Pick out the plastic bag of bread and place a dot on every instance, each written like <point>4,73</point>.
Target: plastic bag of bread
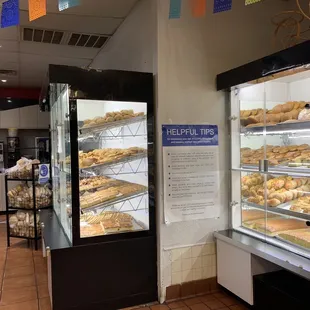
<point>304,114</point>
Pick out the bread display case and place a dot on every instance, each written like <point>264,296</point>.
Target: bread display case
<point>102,154</point>
<point>270,155</point>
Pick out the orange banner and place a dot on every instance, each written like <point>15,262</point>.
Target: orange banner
<point>199,7</point>
<point>37,9</point>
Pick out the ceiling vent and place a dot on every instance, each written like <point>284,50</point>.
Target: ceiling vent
<point>64,38</point>
<point>8,72</point>
<point>42,36</point>
<point>87,40</point>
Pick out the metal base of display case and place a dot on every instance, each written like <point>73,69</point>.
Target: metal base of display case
<point>108,275</point>
<point>283,258</point>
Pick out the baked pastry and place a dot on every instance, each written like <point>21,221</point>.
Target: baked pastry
<point>300,237</point>
<point>249,215</point>
<point>91,230</point>
<point>111,117</point>
<point>274,226</point>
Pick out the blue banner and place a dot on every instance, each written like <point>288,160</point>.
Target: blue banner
<point>190,135</point>
<point>10,13</point>
<point>66,4</point>
<point>175,9</point>
<point>222,5</point>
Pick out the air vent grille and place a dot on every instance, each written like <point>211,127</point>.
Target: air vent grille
<point>63,38</point>
<point>87,40</point>
<point>42,36</point>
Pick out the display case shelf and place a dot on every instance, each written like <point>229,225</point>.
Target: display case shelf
<point>279,129</point>
<point>277,210</point>
<point>106,128</point>
<point>24,237</point>
<point>116,167</point>
<point>274,171</point>
<point>120,200</point>
<point>24,209</point>
<point>280,169</point>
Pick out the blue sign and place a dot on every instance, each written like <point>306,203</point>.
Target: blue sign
<point>66,4</point>
<point>222,5</point>
<point>190,135</point>
<point>175,9</point>
<point>44,173</point>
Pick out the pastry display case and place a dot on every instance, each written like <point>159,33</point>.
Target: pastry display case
<point>101,158</point>
<point>270,159</point>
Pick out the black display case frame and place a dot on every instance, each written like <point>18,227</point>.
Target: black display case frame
<point>132,255</point>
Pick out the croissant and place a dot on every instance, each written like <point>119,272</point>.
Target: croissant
<point>273,202</point>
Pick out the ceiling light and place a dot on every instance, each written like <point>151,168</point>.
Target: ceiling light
<point>4,81</point>
<point>9,100</point>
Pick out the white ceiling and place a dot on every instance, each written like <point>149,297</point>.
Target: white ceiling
<point>31,59</point>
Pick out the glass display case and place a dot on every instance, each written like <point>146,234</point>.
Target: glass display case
<point>102,157</point>
<point>270,159</point>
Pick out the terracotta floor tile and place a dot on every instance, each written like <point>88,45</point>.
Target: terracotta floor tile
<point>214,305</point>
<point>235,307</point>
<point>40,268</point>
<point>45,304</point>
<point>176,304</point>
<point>19,262</point>
<point>19,253</point>
<point>220,295</point>
<point>160,307</point>
<point>18,271</point>
<point>200,306</point>
<point>41,278</point>
<point>27,305</point>
<point>39,260</point>
<point>18,295</point>
<point>208,297</point>
<point>43,290</point>
<point>183,308</point>
<point>192,301</point>
<point>19,282</point>
<point>229,301</point>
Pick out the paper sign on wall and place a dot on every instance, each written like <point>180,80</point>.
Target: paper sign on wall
<point>44,173</point>
<point>175,9</point>
<point>191,172</point>
<point>198,7</point>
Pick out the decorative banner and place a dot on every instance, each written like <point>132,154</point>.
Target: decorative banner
<point>198,7</point>
<point>247,2</point>
<point>37,9</point>
<point>66,4</point>
<point>222,5</point>
<point>10,13</point>
<point>175,9</point>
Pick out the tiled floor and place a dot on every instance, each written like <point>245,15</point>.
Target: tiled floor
<point>216,301</point>
<point>23,283</point>
<point>23,276</point>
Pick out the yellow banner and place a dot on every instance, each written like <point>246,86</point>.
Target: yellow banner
<point>37,9</point>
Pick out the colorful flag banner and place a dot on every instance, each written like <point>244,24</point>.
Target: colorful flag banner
<point>66,4</point>
<point>198,7</point>
<point>248,2</point>
<point>222,5</point>
<point>10,13</point>
<point>175,9</point>
<point>37,9</point>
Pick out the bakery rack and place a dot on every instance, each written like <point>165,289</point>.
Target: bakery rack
<point>107,130</point>
<point>36,211</point>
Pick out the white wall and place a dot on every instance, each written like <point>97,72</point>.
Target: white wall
<point>191,52</point>
<point>186,55</point>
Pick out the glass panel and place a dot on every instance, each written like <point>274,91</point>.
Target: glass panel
<point>60,151</point>
<point>113,167</point>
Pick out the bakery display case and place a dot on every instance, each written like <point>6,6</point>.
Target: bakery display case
<point>269,116</point>
<point>102,154</point>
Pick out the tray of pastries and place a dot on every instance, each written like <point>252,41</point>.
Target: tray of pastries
<point>300,237</point>
<point>277,155</point>
<point>112,119</point>
<point>275,226</point>
<point>108,222</point>
<point>301,205</point>
<point>252,214</point>
<point>95,182</point>
<point>111,195</point>
<point>279,190</point>
<point>281,113</point>
<point>102,157</point>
